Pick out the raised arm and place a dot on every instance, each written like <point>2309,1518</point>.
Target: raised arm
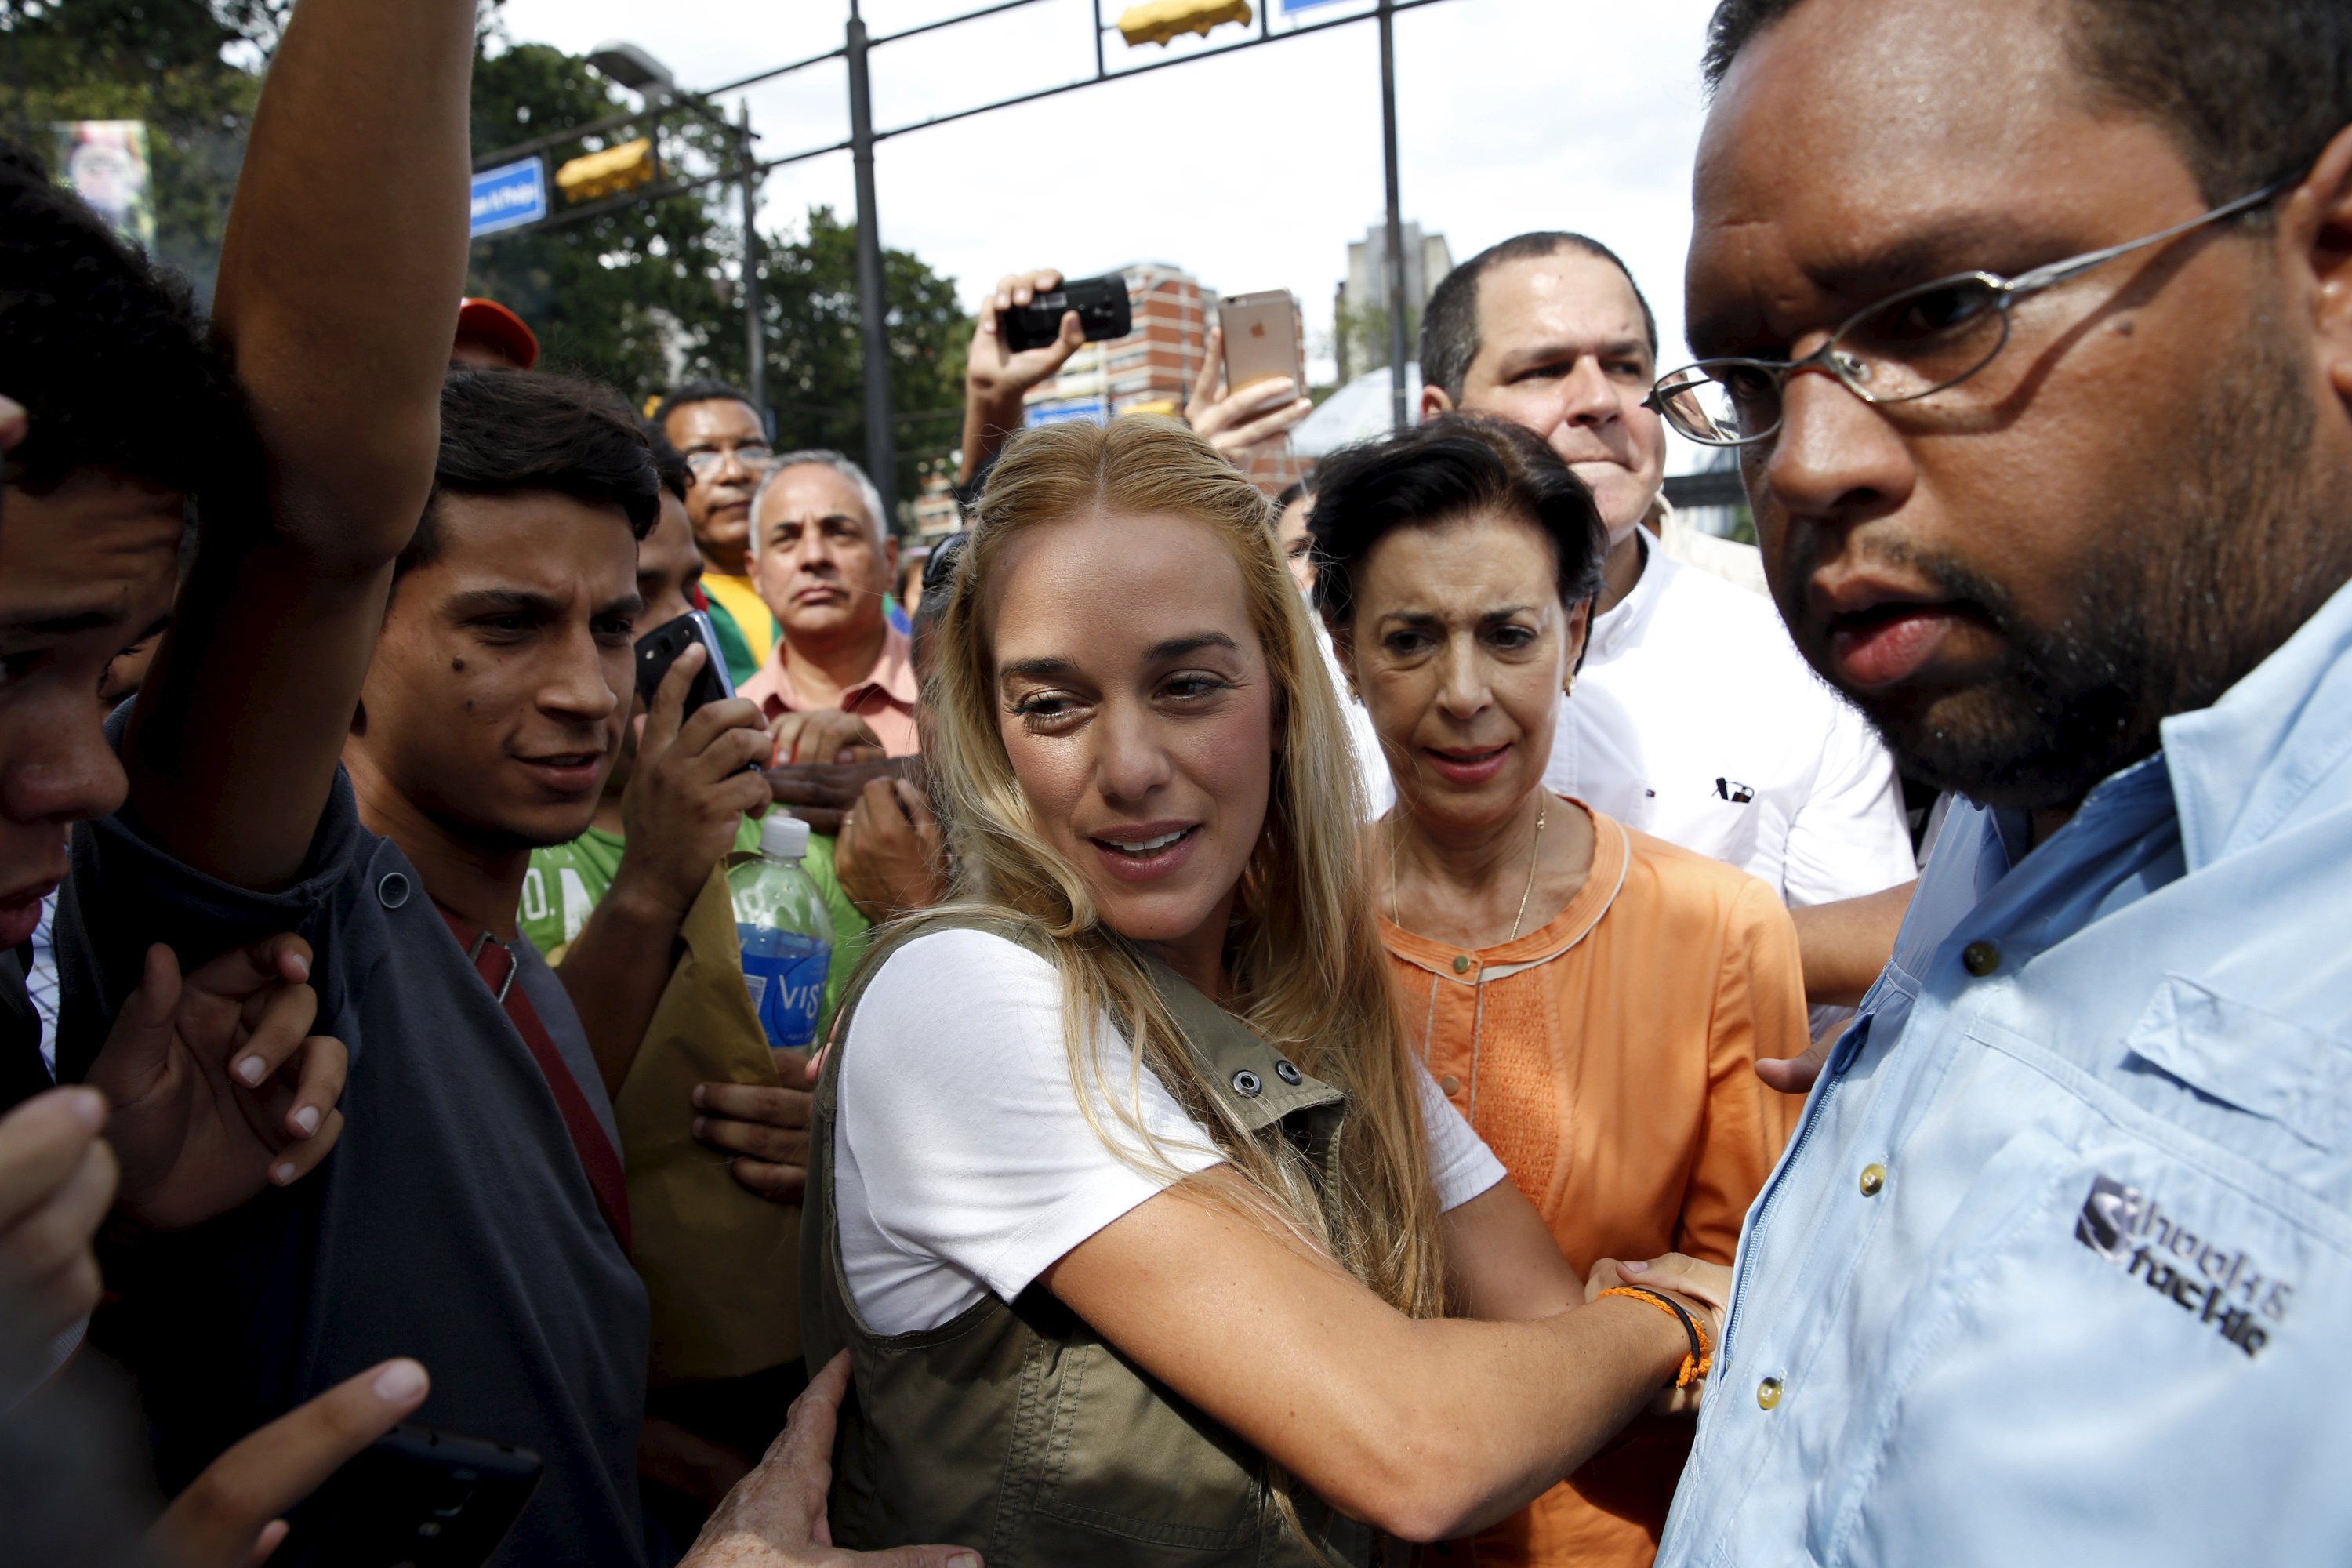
<point>338,297</point>
<point>1427,1429</point>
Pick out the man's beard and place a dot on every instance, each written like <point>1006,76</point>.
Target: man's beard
<point>2176,606</point>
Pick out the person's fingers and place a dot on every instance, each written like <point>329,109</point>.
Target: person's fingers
<point>666,712</point>
<point>921,1557</point>
<point>219,1518</point>
<point>138,1049</point>
<point>727,751</point>
<point>272,1536</point>
<point>1704,1285</point>
<point>917,807</point>
<point>42,1142</point>
<point>1265,427</point>
<point>759,1139</point>
<point>715,722</point>
<point>1205,385</point>
<point>242,971</point>
<point>1275,394</point>
<point>763,1103</point>
<point>878,814</point>
<point>299,1160</point>
<point>792,1065</point>
<point>324,1063</point>
<point>12,422</point>
<point>279,1021</point>
<point>1795,1075</point>
<point>51,1241</point>
<point>778,1184</point>
<point>800,785</point>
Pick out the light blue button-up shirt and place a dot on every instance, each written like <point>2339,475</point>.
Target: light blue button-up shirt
<point>2057,1268</point>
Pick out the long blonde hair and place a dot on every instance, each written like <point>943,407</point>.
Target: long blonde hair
<point>1307,963</point>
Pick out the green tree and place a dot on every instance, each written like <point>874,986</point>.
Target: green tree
<point>648,292</point>
<point>621,296</point>
<point>816,358</point>
<point>161,61</point>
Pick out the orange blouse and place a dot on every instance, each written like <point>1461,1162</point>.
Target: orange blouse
<point>1609,1061</point>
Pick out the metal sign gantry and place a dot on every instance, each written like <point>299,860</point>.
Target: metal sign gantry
<point>857,45</point>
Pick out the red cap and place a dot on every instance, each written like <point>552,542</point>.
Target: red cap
<point>494,327</point>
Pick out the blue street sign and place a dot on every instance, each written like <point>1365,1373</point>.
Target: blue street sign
<point>1061,411</point>
<point>509,196</point>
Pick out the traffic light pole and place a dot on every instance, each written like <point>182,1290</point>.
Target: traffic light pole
<point>873,304</point>
<point>1399,416</point>
<point>755,347</point>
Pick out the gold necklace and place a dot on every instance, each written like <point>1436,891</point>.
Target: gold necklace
<point>1534,854</point>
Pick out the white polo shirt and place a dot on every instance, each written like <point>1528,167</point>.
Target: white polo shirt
<point>1695,718</point>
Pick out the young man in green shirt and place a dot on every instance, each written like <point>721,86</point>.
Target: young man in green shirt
<point>567,881</point>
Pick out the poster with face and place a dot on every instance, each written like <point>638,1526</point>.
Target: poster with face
<point>104,161</point>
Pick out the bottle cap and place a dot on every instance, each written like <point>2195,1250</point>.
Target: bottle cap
<point>783,834</point>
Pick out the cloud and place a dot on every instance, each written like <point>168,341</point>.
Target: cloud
<point>1251,172</point>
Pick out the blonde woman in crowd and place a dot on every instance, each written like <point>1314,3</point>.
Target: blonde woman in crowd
<point>1592,999</point>
<point>1138,1218</point>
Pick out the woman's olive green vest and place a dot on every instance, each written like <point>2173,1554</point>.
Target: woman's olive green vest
<point>1013,1428</point>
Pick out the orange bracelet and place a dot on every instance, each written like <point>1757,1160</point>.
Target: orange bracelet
<point>1702,1356</point>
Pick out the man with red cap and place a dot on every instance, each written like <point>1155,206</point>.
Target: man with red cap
<point>491,337</point>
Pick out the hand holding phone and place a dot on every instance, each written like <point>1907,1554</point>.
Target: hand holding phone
<point>1100,302</point>
<point>660,648</point>
<point>1249,395</point>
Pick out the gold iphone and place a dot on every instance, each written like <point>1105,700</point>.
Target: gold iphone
<point>1261,339</point>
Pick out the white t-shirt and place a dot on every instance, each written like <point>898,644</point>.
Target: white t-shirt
<point>1695,719</point>
<point>962,1165</point>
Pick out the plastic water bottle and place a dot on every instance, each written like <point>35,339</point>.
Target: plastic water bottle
<point>787,936</point>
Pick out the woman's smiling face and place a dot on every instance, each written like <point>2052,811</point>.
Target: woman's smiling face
<point>1138,712</point>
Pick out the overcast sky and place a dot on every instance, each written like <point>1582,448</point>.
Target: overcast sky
<point>1252,172</point>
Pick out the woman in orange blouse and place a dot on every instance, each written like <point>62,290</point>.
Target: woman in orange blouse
<point>1593,999</point>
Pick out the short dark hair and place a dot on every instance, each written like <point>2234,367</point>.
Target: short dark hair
<point>1449,326</point>
<point>115,366</point>
<point>1453,466</point>
<point>1304,486</point>
<point>707,392</point>
<point>2250,90</point>
<point>669,463</point>
<point>508,430</point>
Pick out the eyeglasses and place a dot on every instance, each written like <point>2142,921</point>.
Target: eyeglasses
<point>710,460</point>
<point>1918,343</point>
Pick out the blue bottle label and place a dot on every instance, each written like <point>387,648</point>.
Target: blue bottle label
<point>785,973</point>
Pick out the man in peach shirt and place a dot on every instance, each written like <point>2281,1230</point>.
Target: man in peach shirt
<point>821,560</point>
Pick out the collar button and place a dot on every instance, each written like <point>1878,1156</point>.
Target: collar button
<point>1462,962</point>
<point>1980,958</point>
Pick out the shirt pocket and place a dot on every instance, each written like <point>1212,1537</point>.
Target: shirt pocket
<point>2122,1350</point>
<point>2254,1080</point>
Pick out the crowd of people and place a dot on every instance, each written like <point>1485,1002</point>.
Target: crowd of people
<point>1442,1015</point>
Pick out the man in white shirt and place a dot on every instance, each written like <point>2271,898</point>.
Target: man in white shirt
<point>1693,717</point>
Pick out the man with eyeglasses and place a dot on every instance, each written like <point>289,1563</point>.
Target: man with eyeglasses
<point>1692,717</point>
<point>726,445</point>
<point>2033,324</point>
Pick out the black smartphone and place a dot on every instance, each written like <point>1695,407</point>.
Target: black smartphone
<point>1100,302</point>
<point>658,650</point>
<point>413,1498</point>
